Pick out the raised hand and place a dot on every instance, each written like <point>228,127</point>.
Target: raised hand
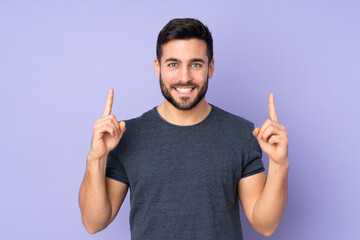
<point>272,136</point>
<point>107,131</point>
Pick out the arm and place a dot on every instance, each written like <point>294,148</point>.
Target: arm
<point>264,199</point>
<point>100,198</point>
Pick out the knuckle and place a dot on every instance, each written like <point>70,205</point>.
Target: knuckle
<point>112,117</point>
<point>110,120</point>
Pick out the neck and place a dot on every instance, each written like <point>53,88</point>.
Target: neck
<point>184,117</point>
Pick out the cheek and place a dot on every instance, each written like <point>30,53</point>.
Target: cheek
<point>169,76</point>
<point>200,76</point>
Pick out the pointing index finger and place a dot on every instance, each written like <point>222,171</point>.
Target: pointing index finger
<point>109,102</point>
<point>272,109</point>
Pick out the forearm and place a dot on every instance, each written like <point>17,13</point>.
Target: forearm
<point>93,198</point>
<point>271,203</point>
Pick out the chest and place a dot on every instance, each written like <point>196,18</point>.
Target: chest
<point>182,160</point>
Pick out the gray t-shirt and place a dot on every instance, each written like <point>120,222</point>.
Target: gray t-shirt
<point>183,179</point>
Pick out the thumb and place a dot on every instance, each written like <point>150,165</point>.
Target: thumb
<point>122,126</point>
<point>256,132</point>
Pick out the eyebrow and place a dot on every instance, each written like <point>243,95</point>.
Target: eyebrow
<point>192,60</point>
<point>172,60</point>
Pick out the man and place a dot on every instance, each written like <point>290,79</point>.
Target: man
<point>187,162</point>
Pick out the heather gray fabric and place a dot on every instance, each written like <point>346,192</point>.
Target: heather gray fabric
<point>183,179</point>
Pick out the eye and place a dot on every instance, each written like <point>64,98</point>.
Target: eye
<point>197,65</point>
<point>172,64</point>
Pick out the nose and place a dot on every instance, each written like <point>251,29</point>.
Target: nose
<point>184,75</point>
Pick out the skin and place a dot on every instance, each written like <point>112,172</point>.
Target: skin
<point>264,198</point>
<point>185,63</point>
<point>100,198</point>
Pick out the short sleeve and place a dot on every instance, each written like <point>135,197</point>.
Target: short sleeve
<point>114,167</point>
<point>253,164</point>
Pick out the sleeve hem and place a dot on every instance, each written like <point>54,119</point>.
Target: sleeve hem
<point>111,174</point>
<point>253,172</point>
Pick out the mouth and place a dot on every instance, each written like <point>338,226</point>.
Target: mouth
<point>184,90</point>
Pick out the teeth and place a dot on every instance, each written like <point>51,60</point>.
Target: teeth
<point>184,90</point>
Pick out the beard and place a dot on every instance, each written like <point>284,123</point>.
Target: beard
<point>184,103</point>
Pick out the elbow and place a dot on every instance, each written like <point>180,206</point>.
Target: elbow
<point>266,229</point>
<point>267,232</point>
<point>92,228</point>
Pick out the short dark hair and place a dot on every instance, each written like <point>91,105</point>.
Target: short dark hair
<point>185,28</point>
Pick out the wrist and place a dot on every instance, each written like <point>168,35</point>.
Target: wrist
<point>96,157</point>
<point>280,165</point>
<point>278,172</point>
<point>96,161</point>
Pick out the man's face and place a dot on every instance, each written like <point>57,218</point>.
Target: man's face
<point>184,72</point>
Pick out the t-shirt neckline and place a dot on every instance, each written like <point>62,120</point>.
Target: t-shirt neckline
<point>204,121</point>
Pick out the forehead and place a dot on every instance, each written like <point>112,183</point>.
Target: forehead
<point>184,49</point>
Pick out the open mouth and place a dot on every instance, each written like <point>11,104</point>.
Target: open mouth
<point>184,90</point>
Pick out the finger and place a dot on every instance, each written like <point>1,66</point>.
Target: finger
<point>122,126</point>
<point>110,117</point>
<point>109,102</point>
<point>277,139</point>
<point>272,109</point>
<point>114,120</point>
<point>270,131</point>
<point>274,139</point>
<point>111,130</point>
<point>269,122</point>
<point>256,132</point>
<point>109,127</point>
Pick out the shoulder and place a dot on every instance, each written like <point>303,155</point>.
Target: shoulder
<point>230,120</point>
<point>136,126</point>
<point>233,129</point>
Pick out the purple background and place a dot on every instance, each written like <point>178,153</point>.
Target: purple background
<point>58,60</point>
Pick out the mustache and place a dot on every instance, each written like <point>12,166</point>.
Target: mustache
<point>184,85</point>
<point>181,84</point>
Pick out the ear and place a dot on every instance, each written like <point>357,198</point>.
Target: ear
<point>211,68</point>
<point>157,67</point>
